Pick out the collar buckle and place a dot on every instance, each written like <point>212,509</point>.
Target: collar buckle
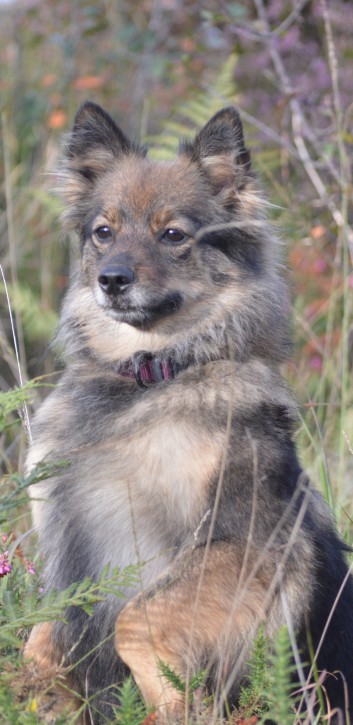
<point>149,370</point>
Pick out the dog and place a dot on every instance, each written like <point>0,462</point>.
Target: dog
<point>178,429</point>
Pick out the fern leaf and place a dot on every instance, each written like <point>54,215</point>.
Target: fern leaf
<point>281,704</point>
<point>196,112</point>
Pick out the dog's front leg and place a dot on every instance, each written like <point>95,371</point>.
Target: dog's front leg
<point>46,678</point>
<point>195,617</point>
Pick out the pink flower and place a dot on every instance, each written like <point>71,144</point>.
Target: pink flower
<point>316,363</point>
<point>30,568</point>
<point>5,566</point>
<point>320,266</point>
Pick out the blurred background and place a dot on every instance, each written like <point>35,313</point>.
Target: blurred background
<point>161,68</point>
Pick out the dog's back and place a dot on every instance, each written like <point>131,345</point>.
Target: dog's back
<point>178,429</point>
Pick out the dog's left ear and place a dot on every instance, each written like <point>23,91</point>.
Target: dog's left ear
<point>220,152</point>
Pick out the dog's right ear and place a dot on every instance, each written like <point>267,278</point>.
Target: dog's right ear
<point>95,133</point>
<point>94,145</point>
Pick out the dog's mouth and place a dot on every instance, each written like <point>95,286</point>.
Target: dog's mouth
<point>145,315</point>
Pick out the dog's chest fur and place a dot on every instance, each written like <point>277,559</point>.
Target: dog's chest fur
<point>139,481</point>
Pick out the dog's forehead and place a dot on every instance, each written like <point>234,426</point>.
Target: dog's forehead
<point>141,185</point>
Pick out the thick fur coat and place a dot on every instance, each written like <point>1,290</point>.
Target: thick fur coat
<point>178,429</point>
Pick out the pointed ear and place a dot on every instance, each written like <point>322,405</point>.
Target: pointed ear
<point>220,152</point>
<point>93,146</point>
<point>94,130</point>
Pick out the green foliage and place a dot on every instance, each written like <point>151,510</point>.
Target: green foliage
<point>12,713</point>
<point>22,606</point>
<point>28,610</point>
<point>178,683</point>
<point>39,323</point>
<point>253,697</point>
<point>132,710</point>
<point>196,112</point>
<point>172,677</point>
<point>12,401</point>
<point>272,680</point>
<point>280,685</point>
<point>14,486</point>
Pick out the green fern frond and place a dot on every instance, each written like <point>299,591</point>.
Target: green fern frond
<point>14,614</point>
<point>131,710</point>
<point>197,680</point>
<point>14,486</point>
<point>196,112</point>
<point>281,685</point>
<point>12,400</point>
<point>173,678</point>
<point>253,696</point>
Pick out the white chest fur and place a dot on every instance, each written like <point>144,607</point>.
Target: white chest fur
<point>134,493</point>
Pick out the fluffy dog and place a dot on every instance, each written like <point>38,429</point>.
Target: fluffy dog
<point>178,429</point>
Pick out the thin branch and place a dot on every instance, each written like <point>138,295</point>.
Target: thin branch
<point>298,125</point>
<point>344,161</point>
<point>291,18</point>
<point>260,35</point>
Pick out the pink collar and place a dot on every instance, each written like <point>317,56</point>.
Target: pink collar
<point>148,370</point>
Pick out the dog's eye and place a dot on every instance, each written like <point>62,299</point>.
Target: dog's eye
<point>103,234</point>
<point>173,235</point>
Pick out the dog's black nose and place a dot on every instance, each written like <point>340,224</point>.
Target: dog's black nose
<point>114,280</point>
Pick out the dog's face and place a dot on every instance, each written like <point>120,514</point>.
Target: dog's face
<point>162,238</point>
<point>138,243</point>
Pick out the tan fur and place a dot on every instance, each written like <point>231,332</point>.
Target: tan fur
<point>197,610</point>
<point>41,647</point>
<point>45,678</point>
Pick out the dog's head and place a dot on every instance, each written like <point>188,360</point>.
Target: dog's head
<point>166,246</point>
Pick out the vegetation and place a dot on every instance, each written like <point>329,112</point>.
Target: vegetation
<point>162,68</point>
